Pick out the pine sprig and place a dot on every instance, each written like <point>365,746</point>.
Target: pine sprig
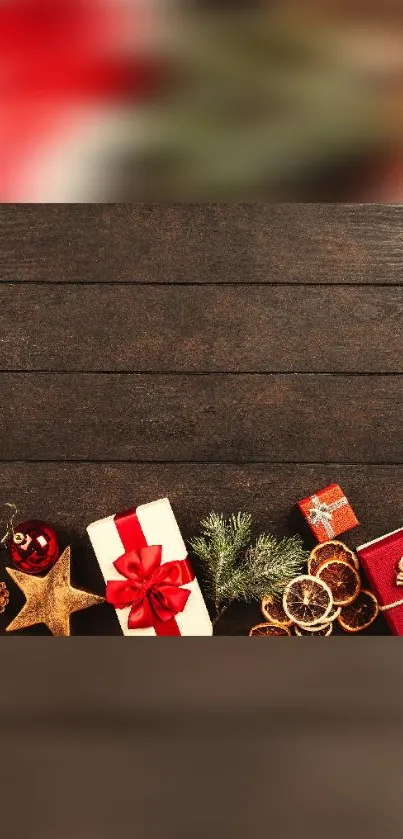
<point>237,569</point>
<point>220,549</point>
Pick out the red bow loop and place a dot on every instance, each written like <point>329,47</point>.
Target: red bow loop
<point>153,589</point>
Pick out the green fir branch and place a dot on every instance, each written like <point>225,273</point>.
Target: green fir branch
<point>234,568</point>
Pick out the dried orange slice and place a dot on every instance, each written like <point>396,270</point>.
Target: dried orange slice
<point>333,614</point>
<point>343,580</point>
<point>330,550</point>
<point>273,611</point>
<point>360,614</point>
<point>307,600</point>
<point>324,629</point>
<point>266,629</point>
<point>330,618</point>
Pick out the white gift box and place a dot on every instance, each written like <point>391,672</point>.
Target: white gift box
<point>159,527</point>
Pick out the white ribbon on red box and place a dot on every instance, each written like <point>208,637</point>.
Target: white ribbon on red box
<point>322,513</point>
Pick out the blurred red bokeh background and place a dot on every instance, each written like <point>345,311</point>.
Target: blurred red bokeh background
<point>208,101</point>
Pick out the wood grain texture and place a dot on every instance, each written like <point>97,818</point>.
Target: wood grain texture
<point>206,417</point>
<point>71,495</point>
<point>202,243</point>
<point>206,328</point>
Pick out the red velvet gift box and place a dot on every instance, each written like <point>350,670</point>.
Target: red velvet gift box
<point>328,513</point>
<point>382,561</point>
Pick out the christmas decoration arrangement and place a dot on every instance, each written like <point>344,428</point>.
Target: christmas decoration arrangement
<point>330,594</point>
<point>49,598</point>
<point>151,584</point>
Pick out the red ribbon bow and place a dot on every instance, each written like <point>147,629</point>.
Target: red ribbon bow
<point>152,589</point>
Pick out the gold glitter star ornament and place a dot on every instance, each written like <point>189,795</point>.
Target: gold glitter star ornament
<point>50,599</point>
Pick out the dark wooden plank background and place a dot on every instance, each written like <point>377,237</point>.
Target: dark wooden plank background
<point>231,357</point>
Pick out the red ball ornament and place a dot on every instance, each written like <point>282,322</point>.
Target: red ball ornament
<point>33,547</point>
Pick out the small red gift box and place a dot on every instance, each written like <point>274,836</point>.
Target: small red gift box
<point>328,513</point>
<point>382,561</point>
